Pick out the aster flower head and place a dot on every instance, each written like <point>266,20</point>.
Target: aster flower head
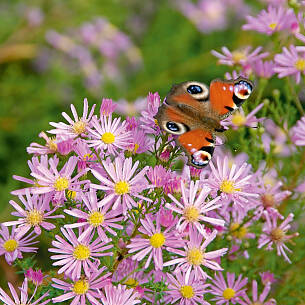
<point>82,289</point>
<point>239,57</point>
<point>230,291</point>
<point>107,107</point>
<point>185,290</point>
<point>290,62</point>
<point>267,278</point>
<point>258,299</point>
<point>119,295</point>
<point>235,184</point>
<point>49,148</point>
<point>194,255</point>
<point>24,297</point>
<point>158,175</point>
<point>76,127</point>
<point>108,135</point>
<point>36,276</point>
<point>274,234</point>
<point>123,184</point>
<point>12,244</point>
<point>298,132</point>
<point>139,142</point>
<point>50,180</point>
<point>34,215</point>
<point>264,69</point>
<point>156,239</point>
<point>239,118</point>
<point>274,19</point>
<point>102,219</point>
<point>194,209</point>
<point>74,255</point>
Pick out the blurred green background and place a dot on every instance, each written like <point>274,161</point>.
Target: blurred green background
<point>36,85</point>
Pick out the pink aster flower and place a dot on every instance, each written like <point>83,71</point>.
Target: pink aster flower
<point>95,218</point>
<point>119,296</point>
<point>108,135</point>
<point>276,234</point>
<point>52,181</point>
<point>85,156</point>
<point>76,127</point>
<point>37,210</point>
<point>49,148</point>
<point>123,184</point>
<point>24,297</point>
<point>36,276</point>
<point>147,120</point>
<point>236,184</point>
<point>107,107</point>
<point>275,19</point>
<point>194,255</point>
<point>154,241</point>
<point>194,209</point>
<point>12,245</point>
<point>158,175</point>
<point>239,118</point>
<point>131,123</point>
<point>267,278</point>
<point>261,299</point>
<point>239,57</point>
<point>290,62</point>
<point>228,292</point>
<point>264,69</point>
<point>185,290</point>
<point>83,289</point>
<point>75,256</point>
<point>298,132</point>
<point>139,142</point>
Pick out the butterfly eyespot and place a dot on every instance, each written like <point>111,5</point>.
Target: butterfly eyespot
<point>201,158</point>
<point>175,128</point>
<point>194,89</point>
<point>242,90</point>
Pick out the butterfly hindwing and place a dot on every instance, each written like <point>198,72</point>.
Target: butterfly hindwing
<point>226,96</point>
<point>199,145</point>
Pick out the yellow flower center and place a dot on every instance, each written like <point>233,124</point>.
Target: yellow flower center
<point>228,293</point>
<point>10,245</point>
<point>108,138</point>
<point>61,184</point>
<point>131,282</point>
<point>238,119</point>
<point>136,147</point>
<point>195,256</point>
<point>273,25</point>
<point>34,217</point>
<point>79,127</point>
<point>268,200</point>
<point>238,56</point>
<point>80,287</point>
<point>227,186</point>
<point>191,214</point>
<point>157,240</point>
<point>187,291</point>
<point>300,64</point>
<point>81,252</point>
<point>96,218</point>
<point>277,234</point>
<point>71,194</point>
<point>238,231</point>
<point>52,145</point>
<point>156,122</point>
<point>121,187</point>
<point>87,157</point>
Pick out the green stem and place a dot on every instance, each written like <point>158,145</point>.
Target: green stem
<point>295,96</point>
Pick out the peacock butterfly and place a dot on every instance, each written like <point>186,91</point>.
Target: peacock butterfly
<point>193,112</point>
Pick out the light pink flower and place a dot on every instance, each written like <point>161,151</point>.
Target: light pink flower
<point>185,290</point>
<point>276,234</point>
<point>194,255</point>
<point>37,210</point>
<point>76,127</point>
<point>194,210</point>
<point>298,132</point>
<point>75,256</point>
<point>154,241</point>
<point>24,297</point>
<point>12,245</point>
<point>95,218</point>
<point>123,184</point>
<point>35,276</point>
<point>107,107</point>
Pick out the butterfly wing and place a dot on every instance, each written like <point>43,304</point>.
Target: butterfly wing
<point>226,96</point>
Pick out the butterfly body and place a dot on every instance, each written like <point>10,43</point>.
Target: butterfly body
<point>193,112</point>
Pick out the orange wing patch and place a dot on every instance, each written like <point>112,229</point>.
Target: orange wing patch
<point>221,97</point>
